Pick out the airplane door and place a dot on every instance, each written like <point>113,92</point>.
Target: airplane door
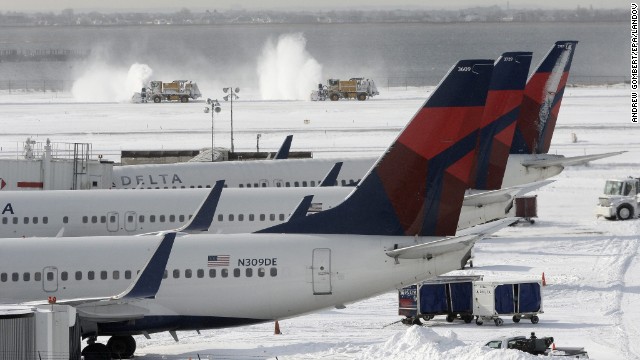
<point>264,183</point>
<point>130,221</point>
<point>321,267</point>
<point>278,183</point>
<point>113,221</point>
<point>50,279</point>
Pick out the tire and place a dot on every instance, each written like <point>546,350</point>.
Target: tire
<point>334,97</point>
<point>624,212</point>
<point>427,317</point>
<point>450,318</point>
<point>157,99</point>
<point>362,96</point>
<point>479,321</point>
<point>184,99</point>
<point>535,319</point>
<point>96,351</point>
<point>516,318</point>
<point>122,347</point>
<point>498,322</point>
<point>407,321</point>
<point>467,318</point>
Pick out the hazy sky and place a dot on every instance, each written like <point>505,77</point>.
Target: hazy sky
<point>198,5</point>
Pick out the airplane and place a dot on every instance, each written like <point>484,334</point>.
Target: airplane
<point>117,212</point>
<point>399,221</point>
<point>528,159</point>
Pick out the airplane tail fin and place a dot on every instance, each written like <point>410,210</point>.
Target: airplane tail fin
<point>283,152</point>
<point>499,119</point>
<point>417,186</point>
<point>542,99</point>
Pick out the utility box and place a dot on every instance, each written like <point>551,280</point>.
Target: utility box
<point>527,207</point>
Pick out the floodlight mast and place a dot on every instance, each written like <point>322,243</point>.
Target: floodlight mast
<point>213,107</point>
<point>232,94</point>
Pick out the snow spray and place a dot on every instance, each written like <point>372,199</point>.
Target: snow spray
<point>286,71</point>
<point>104,83</point>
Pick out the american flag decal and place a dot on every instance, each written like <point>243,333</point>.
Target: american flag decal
<point>218,260</point>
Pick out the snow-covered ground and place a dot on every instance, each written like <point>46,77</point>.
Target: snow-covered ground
<point>591,265</point>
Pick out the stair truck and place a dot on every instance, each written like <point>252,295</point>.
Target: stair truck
<point>621,199</point>
<point>354,88</point>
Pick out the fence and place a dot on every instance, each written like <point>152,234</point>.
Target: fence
<point>21,86</point>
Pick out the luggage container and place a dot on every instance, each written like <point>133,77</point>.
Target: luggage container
<point>518,299</point>
<point>451,296</point>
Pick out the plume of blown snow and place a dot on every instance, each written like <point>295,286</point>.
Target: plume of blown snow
<point>286,71</point>
<point>424,343</point>
<point>105,83</point>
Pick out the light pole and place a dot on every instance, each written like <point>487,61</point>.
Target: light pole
<point>232,94</point>
<point>213,107</point>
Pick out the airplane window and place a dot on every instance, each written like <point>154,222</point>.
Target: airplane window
<point>165,275</point>
<point>78,275</point>
<point>65,220</point>
<point>278,184</point>
<point>193,187</point>
<point>281,217</point>
<point>103,219</point>
<point>3,277</point>
<point>199,186</point>
<point>212,273</point>
<point>304,183</point>
<point>103,275</point>
<point>37,276</point>
<point>236,272</point>
<point>240,217</point>
<point>255,184</point>
<point>262,217</point>
<point>264,184</point>
<point>116,274</point>
<point>26,220</point>
<point>200,273</point>
<point>208,186</point>
<point>85,219</point>
<point>224,273</point>
<point>141,218</point>
<point>26,276</point>
<point>261,272</point>
<point>273,271</point>
<point>152,218</point>
<point>49,275</point>
<point>176,273</point>
<point>344,182</point>
<point>220,217</point>
<point>5,220</point>
<point>35,220</point>
<point>181,218</point>
<point>15,220</point>
<point>249,272</point>
<point>225,185</point>
<point>64,276</point>
<point>45,220</point>
<point>313,183</point>
<point>241,185</point>
<point>94,219</point>
<point>248,185</point>
<point>127,274</point>
<point>187,273</point>
<point>15,277</point>
<point>173,187</point>
<point>130,218</point>
<point>251,217</point>
<point>230,217</point>
<point>272,217</point>
<point>287,184</point>
<point>172,218</point>
<point>182,187</point>
<point>162,217</point>
<point>190,216</point>
<point>91,275</point>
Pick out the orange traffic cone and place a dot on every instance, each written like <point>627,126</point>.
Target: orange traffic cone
<point>544,281</point>
<point>553,346</point>
<point>277,330</point>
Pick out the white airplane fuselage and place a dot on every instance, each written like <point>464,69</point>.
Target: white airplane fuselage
<point>266,276</point>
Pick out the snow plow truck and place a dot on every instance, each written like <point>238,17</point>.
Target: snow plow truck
<point>354,88</point>
<point>621,199</point>
<point>179,90</point>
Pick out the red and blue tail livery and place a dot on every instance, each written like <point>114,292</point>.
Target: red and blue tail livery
<point>542,99</point>
<point>417,186</point>
<point>499,119</point>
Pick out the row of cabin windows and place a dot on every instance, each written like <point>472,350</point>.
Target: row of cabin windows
<point>101,219</point>
<point>310,183</point>
<point>115,275</point>
<point>251,217</point>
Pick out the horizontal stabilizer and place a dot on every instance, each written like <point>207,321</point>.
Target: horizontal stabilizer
<point>467,237</point>
<point>502,195</point>
<point>567,161</point>
<point>332,176</point>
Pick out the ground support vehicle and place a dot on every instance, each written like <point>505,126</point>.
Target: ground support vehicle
<point>519,299</point>
<point>621,199</point>
<point>451,296</point>
<point>354,88</point>
<point>537,346</point>
<point>180,90</point>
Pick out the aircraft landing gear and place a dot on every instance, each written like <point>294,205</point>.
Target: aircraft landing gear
<point>119,347</point>
<point>96,351</point>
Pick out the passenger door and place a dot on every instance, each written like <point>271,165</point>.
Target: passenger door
<point>130,221</point>
<point>113,221</point>
<point>50,279</point>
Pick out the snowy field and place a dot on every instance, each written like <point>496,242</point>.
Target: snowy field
<point>591,265</point>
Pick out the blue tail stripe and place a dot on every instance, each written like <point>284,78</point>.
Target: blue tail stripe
<point>487,135</point>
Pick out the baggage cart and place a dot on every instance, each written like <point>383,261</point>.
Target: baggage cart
<point>518,299</point>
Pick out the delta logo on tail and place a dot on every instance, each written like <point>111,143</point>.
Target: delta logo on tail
<point>418,185</point>
<point>499,119</point>
<point>542,99</point>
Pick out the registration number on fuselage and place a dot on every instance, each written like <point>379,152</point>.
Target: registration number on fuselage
<point>258,262</point>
